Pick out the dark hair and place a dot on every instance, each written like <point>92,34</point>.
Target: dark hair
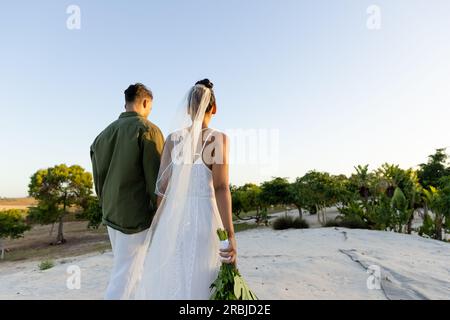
<point>207,83</point>
<point>137,91</point>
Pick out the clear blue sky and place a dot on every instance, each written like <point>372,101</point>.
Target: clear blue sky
<point>339,93</point>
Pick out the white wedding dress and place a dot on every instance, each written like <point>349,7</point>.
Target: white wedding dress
<point>182,258</point>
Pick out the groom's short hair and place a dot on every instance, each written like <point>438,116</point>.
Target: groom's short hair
<point>137,91</point>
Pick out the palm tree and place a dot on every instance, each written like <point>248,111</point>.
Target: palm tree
<point>439,202</point>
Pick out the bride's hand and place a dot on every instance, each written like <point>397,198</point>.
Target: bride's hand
<point>229,255</point>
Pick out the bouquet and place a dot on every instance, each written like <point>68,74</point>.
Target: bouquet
<point>229,284</point>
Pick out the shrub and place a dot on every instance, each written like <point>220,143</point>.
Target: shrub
<point>46,264</point>
<point>427,228</point>
<point>331,223</point>
<point>347,222</point>
<point>92,212</point>
<point>13,223</point>
<point>353,223</point>
<point>287,222</point>
<point>300,223</point>
<point>283,222</point>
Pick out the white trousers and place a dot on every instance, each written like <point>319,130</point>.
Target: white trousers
<point>125,248</point>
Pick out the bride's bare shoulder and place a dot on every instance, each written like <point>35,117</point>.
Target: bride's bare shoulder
<point>220,136</point>
<point>219,142</point>
<point>216,133</point>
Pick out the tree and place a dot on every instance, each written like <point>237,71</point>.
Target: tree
<point>92,211</point>
<point>12,225</point>
<point>431,173</point>
<point>343,190</point>
<point>309,192</point>
<point>236,200</point>
<point>275,192</point>
<point>439,203</point>
<point>246,199</point>
<point>299,194</point>
<point>404,190</point>
<point>363,179</point>
<point>320,192</point>
<point>57,189</point>
<point>384,199</point>
<point>400,205</point>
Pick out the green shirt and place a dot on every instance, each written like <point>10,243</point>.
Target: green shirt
<point>125,161</point>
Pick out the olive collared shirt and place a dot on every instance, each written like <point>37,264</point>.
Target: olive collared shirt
<point>125,161</point>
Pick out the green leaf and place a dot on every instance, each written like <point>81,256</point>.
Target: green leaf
<point>238,287</point>
<point>222,234</point>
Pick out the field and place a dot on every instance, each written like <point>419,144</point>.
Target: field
<point>36,243</point>
<point>16,203</point>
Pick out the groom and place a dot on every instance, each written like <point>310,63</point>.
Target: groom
<point>125,161</point>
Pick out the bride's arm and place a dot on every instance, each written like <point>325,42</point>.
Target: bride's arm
<point>223,196</point>
<point>165,171</point>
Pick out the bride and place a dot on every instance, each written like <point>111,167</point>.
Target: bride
<point>181,257</point>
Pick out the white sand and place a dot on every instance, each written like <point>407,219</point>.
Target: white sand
<point>322,263</point>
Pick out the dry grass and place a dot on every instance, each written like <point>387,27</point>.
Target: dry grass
<point>17,203</point>
<point>36,243</point>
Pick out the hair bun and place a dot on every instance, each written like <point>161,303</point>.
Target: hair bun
<point>206,83</point>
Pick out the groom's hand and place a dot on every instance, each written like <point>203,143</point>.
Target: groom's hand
<point>230,254</point>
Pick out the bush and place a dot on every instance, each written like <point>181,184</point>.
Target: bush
<point>92,212</point>
<point>283,222</point>
<point>347,222</point>
<point>353,223</point>
<point>13,223</point>
<point>300,223</point>
<point>428,228</point>
<point>46,264</point>
<point>287,222</point>
<point>332,223</point>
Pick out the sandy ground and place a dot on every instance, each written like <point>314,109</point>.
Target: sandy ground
<point>319,263</point>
